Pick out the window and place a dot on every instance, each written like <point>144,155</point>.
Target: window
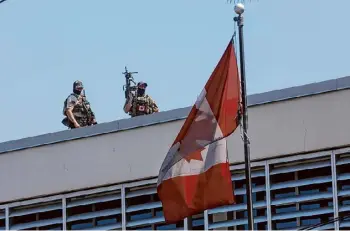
<point>2,220</point>
<point>301,193</point>
<point>102,210</point>
<point>144,210</point>
<point>235,216</point>
<point>198,222</point>
<point>37,216</point>
<point>343,186</point>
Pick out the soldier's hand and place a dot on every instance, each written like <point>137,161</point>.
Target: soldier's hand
<point>76,125</point>
<point>80,98</point>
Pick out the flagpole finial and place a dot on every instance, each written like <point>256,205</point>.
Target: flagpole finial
<point>239,8</point>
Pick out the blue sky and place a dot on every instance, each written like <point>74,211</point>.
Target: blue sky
<point>45,45</point>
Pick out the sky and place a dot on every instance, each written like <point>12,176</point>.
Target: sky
<point>45,45</point>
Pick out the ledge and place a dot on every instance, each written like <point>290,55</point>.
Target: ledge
<point>171,115</point>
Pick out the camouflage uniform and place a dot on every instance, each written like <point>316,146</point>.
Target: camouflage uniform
<point>143,105</point>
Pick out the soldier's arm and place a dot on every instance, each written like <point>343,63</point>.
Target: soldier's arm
<point>154,105</point>
<point>71,101</point>
<point>128,103</point>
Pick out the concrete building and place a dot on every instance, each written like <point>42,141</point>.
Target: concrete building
<point>104,177</point>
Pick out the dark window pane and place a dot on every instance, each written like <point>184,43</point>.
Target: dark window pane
<point>283,209</point>
<point>286,224</point>
<point>82,225</point>
<point>166,227</point>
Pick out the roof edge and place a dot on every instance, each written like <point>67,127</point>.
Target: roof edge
<point>170,115</point>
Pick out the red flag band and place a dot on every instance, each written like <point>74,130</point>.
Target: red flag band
<point>195,174</point>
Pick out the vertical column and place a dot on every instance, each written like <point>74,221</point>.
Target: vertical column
<point>185,224</point>
<point>64,213</point>
<point>206,220</point>
<point>268,196</point>
<point>7,218</point>
<point>188,223</point>
<point>335,189</point>
<point>37,219</point>
<point>296,177</point>
<point>123,207</point>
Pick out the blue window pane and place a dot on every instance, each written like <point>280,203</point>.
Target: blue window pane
<point>286,209</point>
<point>83,225</point>
<point>311,221</point>
<point>140,216</point>
<point>253,198</point>
<point>285,225</point>
<point>310,206</point>
<point>308,192</point>
<point>346,202</point>
<point>198,222</point>
<point>284,195</point>
<point>345,186</point>
<point>255,213</point>
<point>159,213</point>
<point>106,221</point>
<point>166,227</point>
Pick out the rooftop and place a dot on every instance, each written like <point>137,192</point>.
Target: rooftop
<point>171,115</point>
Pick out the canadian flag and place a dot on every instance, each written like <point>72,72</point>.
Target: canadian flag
<point>195,174</point>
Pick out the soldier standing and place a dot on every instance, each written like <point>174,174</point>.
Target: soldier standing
<point>77,109</point>
<point>140,103</point>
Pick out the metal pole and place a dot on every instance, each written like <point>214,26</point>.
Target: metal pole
<point>188,223</point>
<point>248,179</point>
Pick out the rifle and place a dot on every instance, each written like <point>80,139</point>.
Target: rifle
<point>89,113</point>
<point>128,79</point>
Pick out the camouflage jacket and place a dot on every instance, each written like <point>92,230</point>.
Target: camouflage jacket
<point>143,105</point>
<point>81,110</point>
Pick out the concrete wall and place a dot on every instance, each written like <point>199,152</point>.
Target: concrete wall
<point>281,128</point>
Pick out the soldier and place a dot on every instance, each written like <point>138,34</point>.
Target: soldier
<point>141,103</point>
<point>77,109</point>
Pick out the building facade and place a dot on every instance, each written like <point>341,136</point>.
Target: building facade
<point>87,179</point>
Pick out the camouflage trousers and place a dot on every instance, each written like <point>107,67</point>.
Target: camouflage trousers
<point>83,121</point>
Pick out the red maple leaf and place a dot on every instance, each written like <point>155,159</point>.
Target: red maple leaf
<point>194,156</point>
<point>200,130</point>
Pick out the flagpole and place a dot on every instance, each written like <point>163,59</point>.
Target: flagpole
<point>239,9</point>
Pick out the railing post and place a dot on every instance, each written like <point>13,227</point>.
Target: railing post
<point>335,189</point>
<point>123,207</point>
<point>268,196</point>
